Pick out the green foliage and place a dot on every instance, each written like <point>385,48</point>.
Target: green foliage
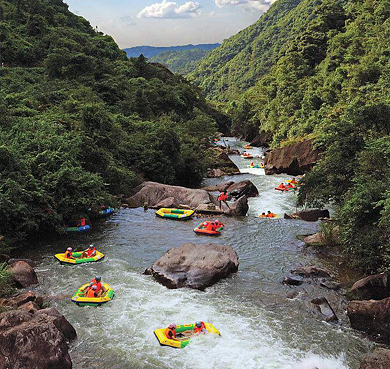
<point>181,61</point>
<point>6,280</point>
<point>79,122</point>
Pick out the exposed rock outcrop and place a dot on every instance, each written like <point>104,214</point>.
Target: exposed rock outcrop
<point>308,215</point>
<point>221,165</point>
<point>293,281</point>
<point>235,189</point>
<point>239,189</point>
<point>378,359</point>
<point>372,317</point>
<point>314,239</point>
<point>239,208</point>
<point>325,309</point>
<point>194,266</point>
<point>294,159</point>
<point>35,340</point>
<point>154,193</point>
<point>375,287</point>
<point>28,261</point>
<point>24,275</point>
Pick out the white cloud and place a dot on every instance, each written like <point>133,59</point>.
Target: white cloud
<point>262,5</point>
<point>170,9</point>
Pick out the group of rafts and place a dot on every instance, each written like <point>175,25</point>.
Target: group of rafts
<point>177,336</point>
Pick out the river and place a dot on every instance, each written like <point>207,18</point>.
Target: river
<point>260,328</point>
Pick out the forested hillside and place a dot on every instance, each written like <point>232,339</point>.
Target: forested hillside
<point>81,123</point>
<point>324,74</point>
<point>152,51</point>
<point>183,62</point>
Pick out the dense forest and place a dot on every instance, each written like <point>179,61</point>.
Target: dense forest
<point>182,61</point>
<point>320,69</point>
<point>80,122</point>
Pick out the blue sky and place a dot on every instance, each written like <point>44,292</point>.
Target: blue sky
<point>169,22</point>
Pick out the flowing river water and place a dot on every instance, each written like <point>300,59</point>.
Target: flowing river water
<point>260,328</point>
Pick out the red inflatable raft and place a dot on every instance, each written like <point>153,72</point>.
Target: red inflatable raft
<point>215,231</point>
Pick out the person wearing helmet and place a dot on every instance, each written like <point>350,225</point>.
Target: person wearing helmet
<point>90,252</point>
<point>69,253</point>
<point>91,292</point>
<point>99,286</point>
<point>170,331</point>
<point>199,327</point>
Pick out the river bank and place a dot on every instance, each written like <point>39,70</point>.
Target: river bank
<point>284,333</point>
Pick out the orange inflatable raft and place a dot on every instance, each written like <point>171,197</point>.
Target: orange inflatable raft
<point>202,229</point>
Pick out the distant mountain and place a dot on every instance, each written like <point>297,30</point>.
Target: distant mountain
<point>151,51</point>
<point>181,61</point>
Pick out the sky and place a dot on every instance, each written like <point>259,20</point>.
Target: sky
<point>169,22</point>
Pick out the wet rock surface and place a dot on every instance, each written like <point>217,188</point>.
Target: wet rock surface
<point>325,309</point>
<point>308,215</point>
<point>24,275</point>
<point>372,317</point>
<point>375,287</point>
<point>31,337</point>
<point>311,271</point>
<point>194,266</point>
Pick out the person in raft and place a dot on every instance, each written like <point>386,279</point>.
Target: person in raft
<point>69,253</point>
<point>81,222</point>
<point>263,215</point>
<point>90,252</point>
<point>170,331</point>
<point>293,181</point>
<point>281,186</point>
<point>270,215</point>
<point>200,328</point>
<point>99,286</point>
<point>223,198</point>
<point>218,224</point>
<point>91,292</point>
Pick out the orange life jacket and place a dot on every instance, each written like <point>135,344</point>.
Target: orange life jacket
<point>90,251</point>
<point>210,226</point>
<point>263,216</point>
<point>170,333</point>
<point>68,254</point>
<point>98,285</point>
<point>281,185</point>
<point>199,329</point>
<point>81,222</point>
<point>293,181</point>
<point>91,293</point>
<point>222,197</point>
<point>270,215</point>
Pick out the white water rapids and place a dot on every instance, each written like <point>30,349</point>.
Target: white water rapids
<point>260,328</point>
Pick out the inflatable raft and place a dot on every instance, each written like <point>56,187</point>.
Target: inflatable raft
<point>276,216</point>
<point>260,166</point>
<point>80,300</point>
<point>187,332</point>
<point>201,229</point>
<point>248,156</point>
<point>248,147</point>
<point>178,214</point>
<point>63,260</point>
<point>77,229</point>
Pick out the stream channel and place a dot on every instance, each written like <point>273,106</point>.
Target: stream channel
<point>260,328</point>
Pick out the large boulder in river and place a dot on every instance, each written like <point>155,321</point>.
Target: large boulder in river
<point>308,215</point>
<point>294,159</point>
<point>375,287</point>
<point>34,340</point>
<point>378,359</point>
<point>322,305</point>
<point>194,266</point>
<point>241,188</point>
<point>154,193</point>
<point>23,274</point>
<point>219,187</point>
<point>310,271</point>
<point>372,317</point>
<point>239,208</point>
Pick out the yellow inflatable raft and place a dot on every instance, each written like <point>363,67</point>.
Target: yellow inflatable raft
<point>80,299</point>
<point>183,335</point>
<point>178,214</point>
<point>78,260</point>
